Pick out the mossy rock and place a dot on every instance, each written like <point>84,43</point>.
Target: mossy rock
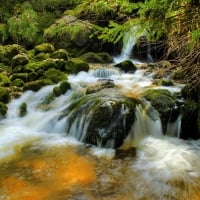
<point>98,120</point>
<point>92,57</point>
<point>4,80</point>
<point>165,103</point>
<point>23,109</point>
<point>9,51</point>
<point>61,54</point>
<point>72,32</point>
<point>64,86</point>
<point>3,109</point>
<point>17,82</point>
<point>55,75</point>
<point>42,56</point>
<point>165,82</point>
<point>20,59</point>
<point>126,66</point>
<point>4,95</point>
<point>22,76</point>
<point>5,68</point>
<point>179,74</point>
<point>56,91</point>
<point>76,65</point>
<point>36,85</point>
<point>44,48</point>
<point>45,64</point>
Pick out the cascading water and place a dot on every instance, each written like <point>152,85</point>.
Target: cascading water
<point>38,160</point>
<point>129,41</point>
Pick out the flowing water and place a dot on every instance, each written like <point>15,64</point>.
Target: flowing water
<point>38,161</point>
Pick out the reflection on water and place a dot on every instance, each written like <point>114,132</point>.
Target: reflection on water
<point>79,172</point>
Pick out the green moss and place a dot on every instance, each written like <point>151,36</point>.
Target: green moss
<point>23,109</point>
<point>9,51</point>
<point>126,66</point>
<point>17,82</point>
<point>56,91</point>
<point>165,82</point>
<point>6,68</point>
<point>45,64</point>
<point>4,95</point>
<point>61,54</point>
<point>22,76</point>
<point>55,75</point>
<point>3,33</point>
<point>3,109</point>
<point>4,80</point>
<point>41,56</point>
<point>20,59</point>
<point>44,48</point>
<point>36,85</point>
<point>92,57</point>
<point>76,65</point>
<point>64,86</point>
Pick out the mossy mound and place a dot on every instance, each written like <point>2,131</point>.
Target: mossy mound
<point>165,82</point>
<point>9,51</point>
<point>165,103</point>
<point>68,31</point>
<point>4,80</point>
<point>103,119</point>
<point>22,76</point>
<point>41,56</point>
<point>17,82</point>
<point>126,66</point>
<point>20,59</point>
<point>44,48</point>
<point>44,64</point>
<point>36,85</point>
<point>23,109</point>
<point>3,109</point>
<point>76,65</point>
<point>55,75</point>
<point>4,95</point>
<point>92,57</point>
<point>61,54</point>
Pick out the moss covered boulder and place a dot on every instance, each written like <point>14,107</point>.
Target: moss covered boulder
<point>4,79</point>
<point>92,57</point>
<point>3,109</point>
<point>44,48</point>
<point>165,103</point>
<point>103,119</point>
<point>126,66</point>
<point>44,64</point>
<point>55,75</point>
<point>76,65</point>
<point>4,95</point>
<point>36,85</point>
<point>69,31</point>
<point>61,54</point>
<point>9,51</point>
<point>19,59</point>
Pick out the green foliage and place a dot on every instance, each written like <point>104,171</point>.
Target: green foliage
<point>23,27</point>
<point>3,33</point>
<point>195,37</point>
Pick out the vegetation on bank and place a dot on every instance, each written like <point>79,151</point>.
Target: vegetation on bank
<point>41,41</point>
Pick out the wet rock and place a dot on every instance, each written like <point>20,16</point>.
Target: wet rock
<point>76,65</point>
<point>165,103</point>
<point>3,109</point>
<point>4,95</point>
<point>126,66</point>
<point>100,85</point>
<point>103,119</point>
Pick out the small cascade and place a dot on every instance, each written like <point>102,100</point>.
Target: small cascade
<point>147,123</point>
<point>128,43</point>
<point>103,72</point>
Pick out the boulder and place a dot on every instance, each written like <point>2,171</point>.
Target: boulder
<point>4,80</point>
<point>36,85</point>
<point>165,103</point>
<point>19,59</point>
<point>126,66</point>
<point>4,95</point>
<point>103,119</point>
<point>3,109</point>
<point>76,65</point>
<point>44,48</point>
<point>91,57</point>
<point>55,75</point>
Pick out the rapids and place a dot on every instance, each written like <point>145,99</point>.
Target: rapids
<point>38,161</point>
